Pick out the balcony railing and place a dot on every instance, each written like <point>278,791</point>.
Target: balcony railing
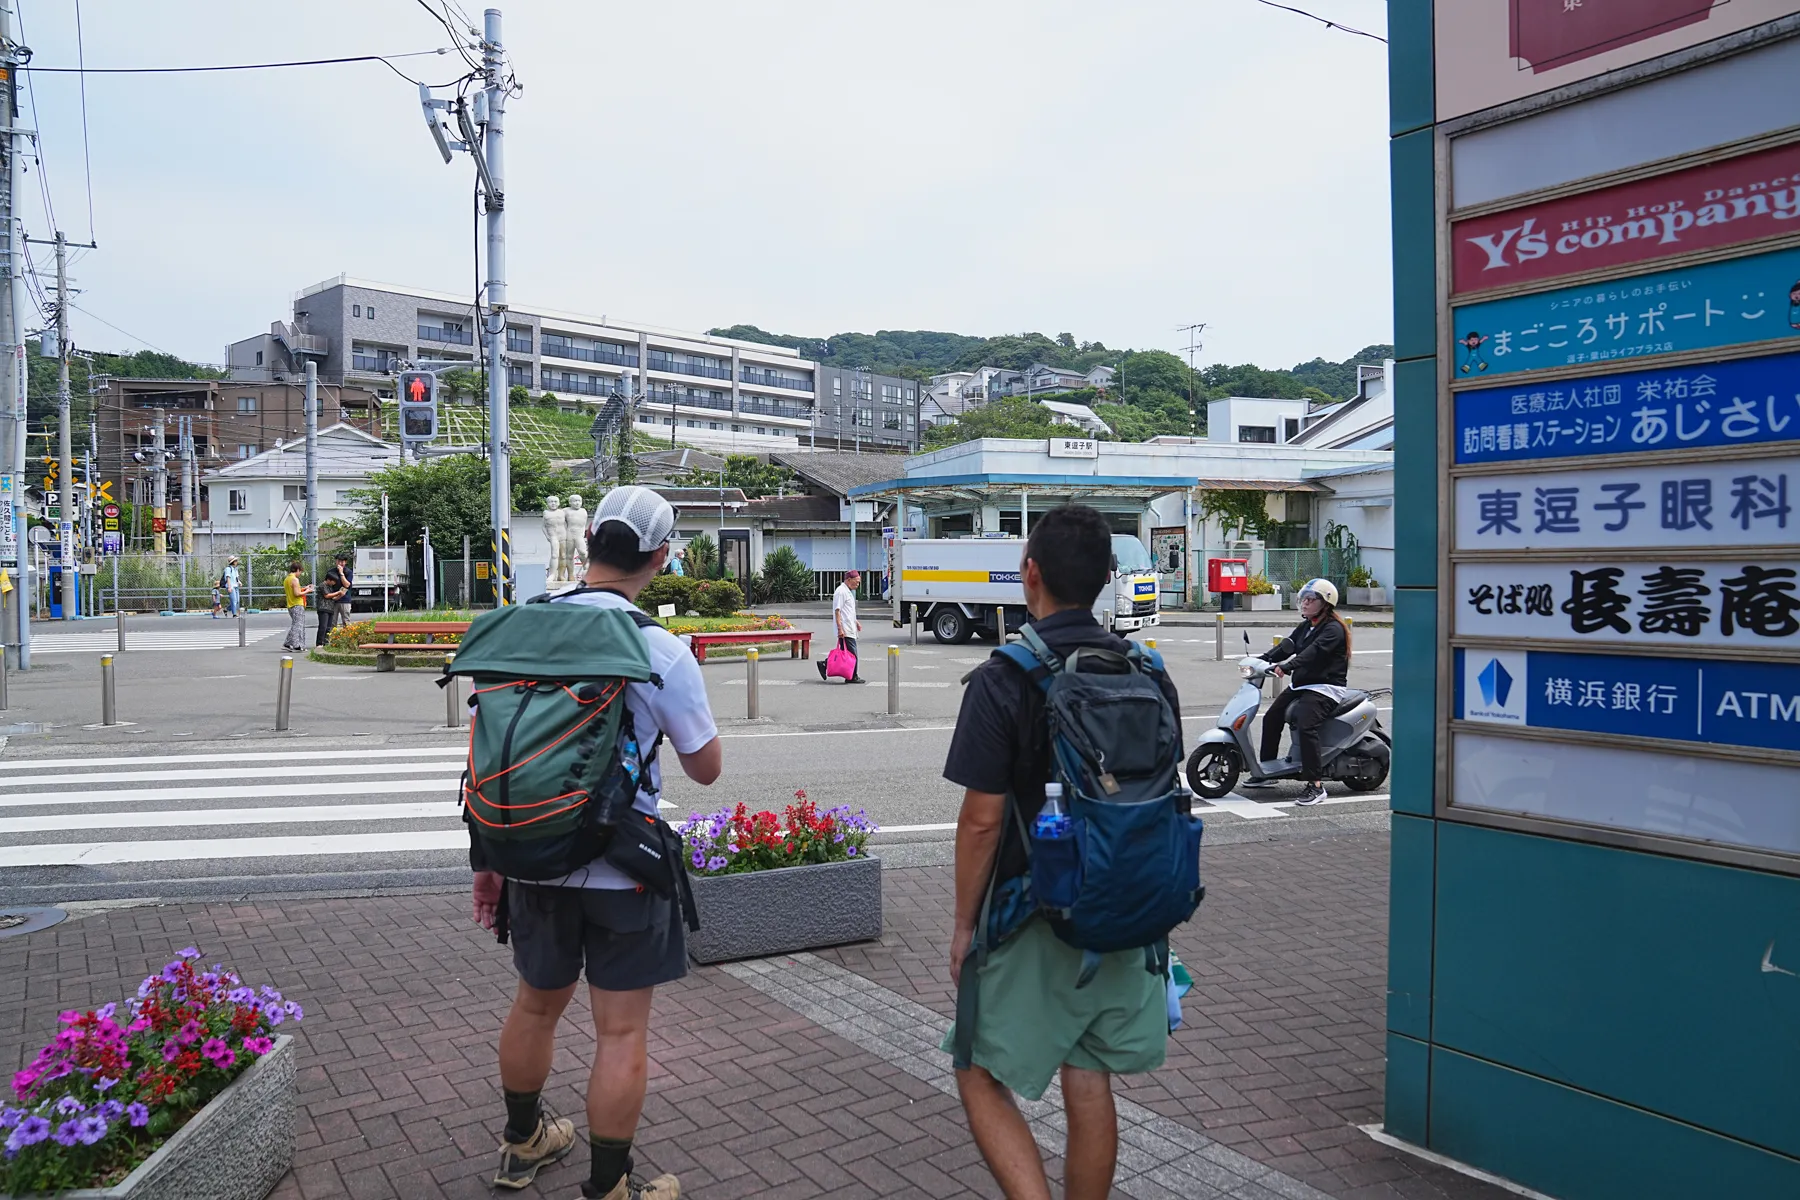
<point>517,343</point>
<point>772,379</point>
<point>378,363</point>
<point>441,333</point>
<point>556,347</point>
<point>769,408</point>
<point>581,385</point>
<point>689,399</point>
<point>662,362</point>
<point>518,376</point>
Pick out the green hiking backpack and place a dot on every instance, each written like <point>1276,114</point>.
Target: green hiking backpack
<point>554,765</point>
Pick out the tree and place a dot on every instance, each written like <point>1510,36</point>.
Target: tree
<point>518,394</point>
<point>785,579</point>
<point>548,400</point>
<point>743,471</point>
<point>1247,512</point>
<point>1013,417</point>
<point>1066,340</point>
<point>702,556</point>
<point>458,382</point>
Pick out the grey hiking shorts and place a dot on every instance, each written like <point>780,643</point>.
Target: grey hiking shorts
<point>628,939</point>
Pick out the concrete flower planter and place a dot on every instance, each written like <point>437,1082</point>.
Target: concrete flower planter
<point>1269,603</point>
<point>761,913</point>
<point>1357,597</point>
<point>236,1148</point>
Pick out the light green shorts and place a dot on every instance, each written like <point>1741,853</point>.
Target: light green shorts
<point>1032,1020</point>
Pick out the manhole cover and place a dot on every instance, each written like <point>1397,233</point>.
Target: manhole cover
<point>17,922</point>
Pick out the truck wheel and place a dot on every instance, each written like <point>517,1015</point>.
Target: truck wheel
<point>949,626</point>
<point>1213,770</point>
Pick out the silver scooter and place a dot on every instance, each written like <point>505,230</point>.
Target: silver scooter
<point>1352,745</point>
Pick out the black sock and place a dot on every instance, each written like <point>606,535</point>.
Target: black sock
<point>521,1115</point>
<point>611,1162</point>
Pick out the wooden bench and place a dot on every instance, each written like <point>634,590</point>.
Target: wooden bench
<point>799,641</point>
<point>386,653</point>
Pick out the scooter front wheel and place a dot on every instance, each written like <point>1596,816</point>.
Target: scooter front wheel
<point>1213,770</point>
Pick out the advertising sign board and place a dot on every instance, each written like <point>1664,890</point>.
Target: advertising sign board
<point>1490,52</point>
<point>1714,204</point>
<point>1738,503</point>
<point>1748,401</point>
<point>1678,699</point>
<point>1684,603</point>
<point>1735,302</point>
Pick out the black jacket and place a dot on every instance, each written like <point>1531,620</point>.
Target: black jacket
<point>1315,652</point>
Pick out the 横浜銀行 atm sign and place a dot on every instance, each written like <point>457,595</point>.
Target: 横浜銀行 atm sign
<point>1675,699</point>
<point>1736,302</point>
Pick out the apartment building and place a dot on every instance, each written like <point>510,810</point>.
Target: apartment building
<point>713,392</point>
<point>861,410</point>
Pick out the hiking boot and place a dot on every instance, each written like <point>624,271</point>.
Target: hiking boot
<point>520,1161</point>
<point>631,1187</point>
<point>1314,794</point>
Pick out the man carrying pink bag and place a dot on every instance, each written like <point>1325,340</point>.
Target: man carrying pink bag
<point>841,662</point>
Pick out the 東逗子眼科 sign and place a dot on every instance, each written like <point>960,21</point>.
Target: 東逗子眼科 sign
<point>1715,204</point>
<point>1736,302</point>
<point>1718,701</point>
<point>1744,502</point>
<point>1735,602</point>
<point>1743,402</point>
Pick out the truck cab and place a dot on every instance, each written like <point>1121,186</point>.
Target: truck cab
<point>378,571</point>
<point>1135,603</point>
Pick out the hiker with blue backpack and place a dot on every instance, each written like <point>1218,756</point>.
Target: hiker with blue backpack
<point>1076,854</point>
<point>577,698</point>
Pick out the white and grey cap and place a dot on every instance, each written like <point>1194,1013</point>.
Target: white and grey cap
<point>647,514</point>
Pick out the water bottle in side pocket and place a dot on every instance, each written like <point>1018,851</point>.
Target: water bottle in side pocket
<point>1055,853</point>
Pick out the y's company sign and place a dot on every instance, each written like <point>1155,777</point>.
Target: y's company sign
<point>1715,204</point>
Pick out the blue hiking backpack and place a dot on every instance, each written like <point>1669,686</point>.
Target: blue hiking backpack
<point>1127,870</point>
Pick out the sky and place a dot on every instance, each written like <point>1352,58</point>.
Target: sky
<point>1112,170</point>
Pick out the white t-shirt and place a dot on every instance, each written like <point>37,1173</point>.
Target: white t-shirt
<point>678,709</point>
<point>843,609</point>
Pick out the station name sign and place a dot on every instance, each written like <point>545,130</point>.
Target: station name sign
<point>1715,204</point>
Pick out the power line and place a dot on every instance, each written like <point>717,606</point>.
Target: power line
<point>87,161</point>
<point>1329,24</point>
<point>134,337</point>
<point>38,142</point>
<point>456,38</point>
<point>266,66</point>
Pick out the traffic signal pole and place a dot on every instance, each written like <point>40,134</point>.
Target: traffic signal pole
<point>499,449</point>
<point>65,465</point>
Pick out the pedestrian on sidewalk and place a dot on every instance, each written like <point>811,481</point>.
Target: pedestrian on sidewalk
<point>349,577</point>
<point>843,617</point>
<point>332,592</point>
<point>229,580</point>
<point>1033,1016</point>
<point>296,593</point>
<point>630,939</point>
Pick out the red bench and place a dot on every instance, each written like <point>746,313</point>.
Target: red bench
<point>799,641</point>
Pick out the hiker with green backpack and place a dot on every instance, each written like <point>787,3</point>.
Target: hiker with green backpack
<point>1076,854</point>
<point>576,698</point>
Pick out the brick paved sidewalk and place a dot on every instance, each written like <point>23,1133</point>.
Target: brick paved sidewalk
<point>748,1098</point>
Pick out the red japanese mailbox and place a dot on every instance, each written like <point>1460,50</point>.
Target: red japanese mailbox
<point>1228,575</point>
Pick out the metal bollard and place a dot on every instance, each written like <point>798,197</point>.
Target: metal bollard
<point>752,669</point>
<point>1000,625</point>
<point>284,692</point>
<point>119,620</point>
<point>243,631</point>
<point>109,707</point>
<point>915,624</point>
<point>2,678</point>
<point>893,665</point>
<point>1218,637</point>
<point>452,697</point>
<point>1150,643</point>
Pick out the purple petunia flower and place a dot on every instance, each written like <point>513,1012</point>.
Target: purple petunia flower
<point>294,1010</point>
<point>101,1085</point>
<point>716,864</point>
<point>851,851</point>
<point>242,995</point>
<point>109,1110</point>
<point>10,1117</point>
<point>107,1010</point>
<point>89,1130</point>
<point>273,1012</point>
<point>189,1033</point>
<point>138,1115</point>
<point>258,1045</point>
<point>68,1106</point>
<point>66,1134</point>
<point>30,1132</point>
<point>190,952</point>
<point>700,858</point>
<point>171,1050</point>
<point>215,1050</point>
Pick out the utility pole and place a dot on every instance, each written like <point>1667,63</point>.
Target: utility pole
<point>65,467</point>
<point>159,488</point>
<point>187,487</point>
<point>493,63</point>
<point>1193,331</point>
<point>310,531</point>
<point>12,338</point>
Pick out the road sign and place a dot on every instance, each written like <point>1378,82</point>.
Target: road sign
<point>482,569</point>
<point>111,543</point>
<point>159,524</point>
<point>110,511</point>
<point>103,492</point>
<point>110,524</point>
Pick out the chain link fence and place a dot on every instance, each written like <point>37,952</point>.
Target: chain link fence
<point>150,583</point>
<point>1291,568</point>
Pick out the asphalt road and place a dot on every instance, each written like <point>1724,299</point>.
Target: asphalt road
<point>200,797</point>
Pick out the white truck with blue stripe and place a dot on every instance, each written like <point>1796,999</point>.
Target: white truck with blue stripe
<point>960,587</point>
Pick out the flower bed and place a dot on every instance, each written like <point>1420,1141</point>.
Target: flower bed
<point>775,885</point>
<point>102,1096</point>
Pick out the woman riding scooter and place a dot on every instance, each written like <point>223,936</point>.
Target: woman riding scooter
<point>1318,651</point>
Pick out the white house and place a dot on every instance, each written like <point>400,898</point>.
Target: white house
<point>1364,422</point>
<point>1078,415</point>
<point>1254,420</point>
<point>261,501</point>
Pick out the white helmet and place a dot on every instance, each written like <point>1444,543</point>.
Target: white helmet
<point>1324,589</point>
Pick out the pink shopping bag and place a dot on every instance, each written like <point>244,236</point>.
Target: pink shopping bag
<point>840,664</point>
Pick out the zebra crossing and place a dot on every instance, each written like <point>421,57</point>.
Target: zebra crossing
<point>100,641</point>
